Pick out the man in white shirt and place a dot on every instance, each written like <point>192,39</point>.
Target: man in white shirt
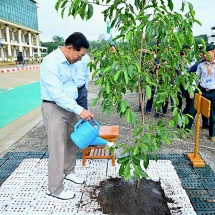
<point>206,73</point>
<point>60,111</point>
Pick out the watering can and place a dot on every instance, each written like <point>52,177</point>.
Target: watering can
<point>86,133</point>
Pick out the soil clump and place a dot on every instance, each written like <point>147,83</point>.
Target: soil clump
<point>120,197</point>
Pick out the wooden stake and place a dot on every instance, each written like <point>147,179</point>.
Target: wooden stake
<point>202,105</point>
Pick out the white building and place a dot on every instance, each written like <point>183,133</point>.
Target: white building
<point>211,38</point>
<point>19,30</point>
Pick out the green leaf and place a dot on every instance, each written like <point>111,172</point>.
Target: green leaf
<point>128,116</point>
<point>170,5</point>
<point>95,101</point>
<point>171,123</point>
<point>125,71</point>
<point>146,161</point>
<point>128,36</point>
<point>116,76</point>
<point>121,170</point>
<point>64,3</point>
<point>182,6</point>
<point>137,131</point>
<point>90,11</point>
<point>135,150</point>
<point>148,92</point>
<point>107,87</point>
<point>57,5</point>
<point>143,173</point>
<point>127,171</point>
<point>62,12</point>
<point>106,69</point>
<point>135,161</point>
<point>123,105</point>
<point>148,79</point>
<point>137,3</point>
<point>190,6</point>
<point>123,159</point>
<point>179,120</point>
<point>144,148</point>
<point>197,21</point>
<point>178,40</point>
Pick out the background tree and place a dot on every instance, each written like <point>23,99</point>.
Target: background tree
<point>56,42</point>
<point>101,37</point>
<point>57,39</point>
<point>131,70</point>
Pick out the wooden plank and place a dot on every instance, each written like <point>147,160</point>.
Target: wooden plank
<point>205,107</point>
<point>96,152</point>
<point>99,157</point>
<point>196,101</point>
<point>109,133</point>
<point>91,152</point>
<point>106,152</point>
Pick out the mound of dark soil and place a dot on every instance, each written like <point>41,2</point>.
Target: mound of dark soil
<point>121,197</point>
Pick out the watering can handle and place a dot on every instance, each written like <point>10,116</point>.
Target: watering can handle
<point>77,124</point>
<point>95,122</point>
<point>81,120</point>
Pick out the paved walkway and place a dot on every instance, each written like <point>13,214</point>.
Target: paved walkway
<point>24,191</point>
<point>20,103</point>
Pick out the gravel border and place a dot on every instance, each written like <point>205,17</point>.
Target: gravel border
<point>36,138</point>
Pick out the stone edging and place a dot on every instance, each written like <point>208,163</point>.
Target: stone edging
<point>16,69</point>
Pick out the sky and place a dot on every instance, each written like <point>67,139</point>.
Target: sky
<point>51,24</point>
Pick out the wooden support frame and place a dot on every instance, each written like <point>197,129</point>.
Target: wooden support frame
<point>109,133</point>
<point>203,106</point>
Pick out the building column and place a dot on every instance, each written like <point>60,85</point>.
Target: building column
<point>7,34</point>
<point>39,52</point>
<point>31,52</point>
<point>20,39</point>
<point>9,50</point>
<point>37,40</point>
<point>29,39</point>
<point>30,43</point>
<point>2,53</point>
<point>13,36</point>
<point>14,53</point>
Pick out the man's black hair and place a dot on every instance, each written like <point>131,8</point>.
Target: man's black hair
<point>77,40</point>
<point>209,47</point>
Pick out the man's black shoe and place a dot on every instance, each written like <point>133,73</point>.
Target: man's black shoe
<point>156,115</point>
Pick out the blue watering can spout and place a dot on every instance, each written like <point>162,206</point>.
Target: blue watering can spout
<point>86,133</point>
<point>99,141</point>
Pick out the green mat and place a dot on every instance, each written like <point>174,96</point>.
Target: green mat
<point>18,101</point>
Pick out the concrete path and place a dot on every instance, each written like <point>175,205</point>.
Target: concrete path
<point>10,78</point>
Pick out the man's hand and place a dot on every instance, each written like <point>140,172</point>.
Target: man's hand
<point>86,115</point>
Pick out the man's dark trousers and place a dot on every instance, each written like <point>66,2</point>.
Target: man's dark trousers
<point>210,96</point>
<point>82,97</point>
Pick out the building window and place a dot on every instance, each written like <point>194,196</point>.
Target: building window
<point>23,12</point>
